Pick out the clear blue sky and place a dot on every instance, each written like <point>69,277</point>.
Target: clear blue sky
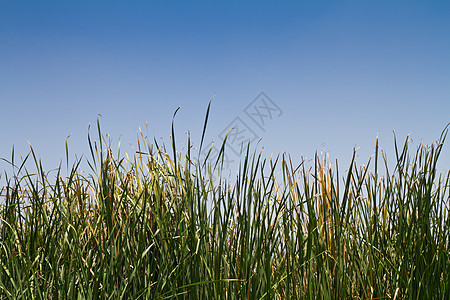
<point>340,71</point>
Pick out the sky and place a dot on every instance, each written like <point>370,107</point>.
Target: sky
<point>298,77</point>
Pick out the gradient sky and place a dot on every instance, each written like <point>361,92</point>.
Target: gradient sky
<point>340,71</point>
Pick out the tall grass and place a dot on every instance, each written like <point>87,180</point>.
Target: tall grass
<point>156,225</point>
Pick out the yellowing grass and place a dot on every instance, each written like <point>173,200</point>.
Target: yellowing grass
<point>156,226</point>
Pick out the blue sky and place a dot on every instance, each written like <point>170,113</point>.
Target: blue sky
<point>341,72</point>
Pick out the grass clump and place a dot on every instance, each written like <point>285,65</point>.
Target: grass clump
<point>157,226</point>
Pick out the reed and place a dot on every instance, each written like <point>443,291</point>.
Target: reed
<point>156,225</point>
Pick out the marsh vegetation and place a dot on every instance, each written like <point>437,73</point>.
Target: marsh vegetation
<point>156,225</point>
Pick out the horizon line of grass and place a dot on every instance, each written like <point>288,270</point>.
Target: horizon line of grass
<point>156,226</point>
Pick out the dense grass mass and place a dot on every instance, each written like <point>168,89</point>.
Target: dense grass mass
<point>156,225</point>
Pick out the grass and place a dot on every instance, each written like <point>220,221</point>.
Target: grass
<point>156,225</point>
